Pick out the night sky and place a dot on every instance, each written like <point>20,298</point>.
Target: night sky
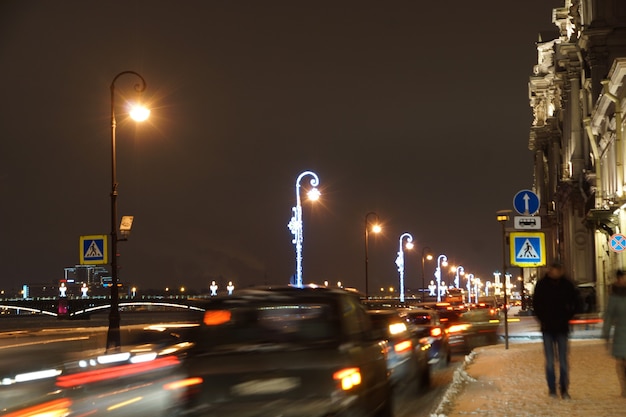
<point>417,110</point>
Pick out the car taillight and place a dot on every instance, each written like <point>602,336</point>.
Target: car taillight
<point>436,332</point>
<point>403,346</point>
<point>55,408</point>
<point>348,378</point>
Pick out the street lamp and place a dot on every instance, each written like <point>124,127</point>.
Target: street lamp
<point>376,229</point>
<point>400,260</point>
<point>470,278</point>
<point>295,224</point>
<point>426,254</point>
<point>457,278</point>
<point>442,260</point>
<point>503,216</point>
<point>113,333</point>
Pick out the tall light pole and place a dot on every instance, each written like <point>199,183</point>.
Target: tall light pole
<point>457,278</point>
<point>295,224</point>
<point>442,260</point>
<point>400,260</point>
<point>426,254</point>
<point>376,229</point>
<point>470,278</point>
<point>503,216</point>
<point>113,333</point>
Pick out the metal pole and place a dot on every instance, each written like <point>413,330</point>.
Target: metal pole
<point>295,225</point>
<point>506,310</point>
<point>113,334</point>
<point>367,235</point>
<point>424,251</point>
<point>400,261</point>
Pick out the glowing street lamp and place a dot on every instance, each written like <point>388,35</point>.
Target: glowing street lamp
<point>400,260</point>
<point>376,229</point>
<point>295,224</point>
<point>460,271</point>
<point>442,260</point>
<point>113,333</point>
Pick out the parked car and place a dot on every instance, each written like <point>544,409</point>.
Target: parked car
<point>407,359</point>
<point>425,324</point>
<point>287,351</point>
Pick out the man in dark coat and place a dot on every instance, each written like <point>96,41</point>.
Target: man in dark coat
<point>555,302</point>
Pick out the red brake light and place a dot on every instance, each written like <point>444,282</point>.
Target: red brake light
<point>403,346</point>
<point>435,332</point>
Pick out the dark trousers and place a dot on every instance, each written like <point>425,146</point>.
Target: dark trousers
<point>555,346</point>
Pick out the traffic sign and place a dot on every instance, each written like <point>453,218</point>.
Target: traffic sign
<point>526,202</point>
<point>528,249</point>
<point>618,243</point>
<point>527,222</point>
<point>93,250</point>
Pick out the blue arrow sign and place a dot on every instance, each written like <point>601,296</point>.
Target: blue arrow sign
<point>526,202</point>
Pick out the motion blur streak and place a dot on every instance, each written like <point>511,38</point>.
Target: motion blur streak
<point>56,408</point>
<point>183,383</point>
<point>124,403</point>
<point>69,381</point>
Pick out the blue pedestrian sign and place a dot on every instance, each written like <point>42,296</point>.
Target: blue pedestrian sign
<point>618,243</point>
<point>528,249</point>
<point>93,250</point>
<point>526,203</point>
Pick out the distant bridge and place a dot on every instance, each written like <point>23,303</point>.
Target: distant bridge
<point>83,307</point>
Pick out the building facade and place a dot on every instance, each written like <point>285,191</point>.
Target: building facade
<point>576,93</point>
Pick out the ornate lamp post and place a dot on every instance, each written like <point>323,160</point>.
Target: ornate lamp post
<point>113,333</point>
<point>503,216</point>
<point>442,260</point>
<point>470,278</point>
<point>460,271</point>
<point>400,260</point>
<point>376,229</point>
<point>295,224</point>
<point>426,254</point>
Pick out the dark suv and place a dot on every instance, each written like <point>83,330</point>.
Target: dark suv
<point>286,351</point>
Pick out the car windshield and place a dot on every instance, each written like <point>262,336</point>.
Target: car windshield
<point>268,323</point>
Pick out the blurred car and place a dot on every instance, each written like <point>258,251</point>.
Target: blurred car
<point>129,382</point>
<point>286,351</point>
<point>407,358</point>
<point>425,324</point>
<point>468,328</point>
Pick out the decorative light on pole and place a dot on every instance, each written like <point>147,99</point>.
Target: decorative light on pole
<point>460,271</point>
<point>400,260</point>
<point>442,260</point>
<point>503,216</point>
<point>470,278</point>
<point>376,229</point>
<point>295,224</point>
<point>426,254</point>
<point>138,114</point>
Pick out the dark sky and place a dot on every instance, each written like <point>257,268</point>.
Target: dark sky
<point>417,110</point>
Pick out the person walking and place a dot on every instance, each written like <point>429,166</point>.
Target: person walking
<point>555,302</point>
<point>615,316</point>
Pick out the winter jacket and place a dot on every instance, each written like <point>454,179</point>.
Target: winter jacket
<point>615,315</point>
<point>555,302</point>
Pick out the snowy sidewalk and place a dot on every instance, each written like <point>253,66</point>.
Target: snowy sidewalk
<point>499,382</point>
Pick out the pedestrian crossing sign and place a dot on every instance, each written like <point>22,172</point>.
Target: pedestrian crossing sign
<point>93,250</point>
<point>527,249</point>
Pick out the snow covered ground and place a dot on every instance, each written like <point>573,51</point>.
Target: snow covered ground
<point>499,382</point>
